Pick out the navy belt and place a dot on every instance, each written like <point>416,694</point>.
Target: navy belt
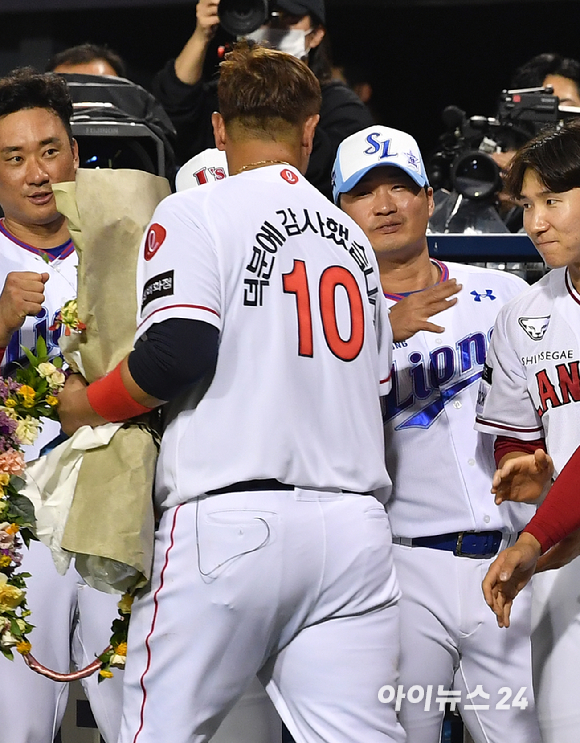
<point>478,544</point>
<point>251,485</point>
<point>240,487</point>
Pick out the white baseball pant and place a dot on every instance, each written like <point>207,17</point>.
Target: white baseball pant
<point>450,638</point>
<point>295,586</point>
<point>72,624</point>
<point>556,652</point>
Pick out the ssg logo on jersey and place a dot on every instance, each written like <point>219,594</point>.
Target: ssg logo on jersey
<point>477,297</point>
<point>535,327</point>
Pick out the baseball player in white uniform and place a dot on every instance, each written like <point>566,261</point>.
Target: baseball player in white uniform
<point>272,555</point>
<point>38,274</point>
<point>529,396</point>
<point>446,527</point>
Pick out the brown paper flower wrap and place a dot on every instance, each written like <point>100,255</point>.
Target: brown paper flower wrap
<point>110,524</point>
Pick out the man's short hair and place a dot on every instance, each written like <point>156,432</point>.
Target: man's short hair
<point>85,53</point>
<point>266,92</point>
<point>25,88</point>
<point>554,155</point>
<point>533,73</point>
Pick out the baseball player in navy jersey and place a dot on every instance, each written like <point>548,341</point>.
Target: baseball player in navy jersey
<point>38,274</point>
<point>446,527</point>
<point>261,308</point>
<point>528,398</point>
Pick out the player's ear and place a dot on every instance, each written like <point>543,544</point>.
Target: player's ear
<point>430,201</point>
<point>308,130</point>
<point>219,130</point>
<point>75,151</point>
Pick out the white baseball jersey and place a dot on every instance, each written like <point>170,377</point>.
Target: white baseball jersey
<point>295,293</point>
<point>61,286</point>
<point>72,621</point>
<point>532,383</point>
<point>441,468</point>
<point>530,390</point>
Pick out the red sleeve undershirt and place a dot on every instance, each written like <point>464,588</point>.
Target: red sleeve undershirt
<point>559,514</point>
<point>505,445</point>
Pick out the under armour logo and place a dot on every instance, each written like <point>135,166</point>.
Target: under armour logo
<point>535,327</point>
<point>477,297</point>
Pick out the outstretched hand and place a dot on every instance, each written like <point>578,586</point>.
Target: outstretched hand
<point>411,314</point>
<point>508,574</point>
<point>524,479</point>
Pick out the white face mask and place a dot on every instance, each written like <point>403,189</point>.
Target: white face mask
<point>284,40</point>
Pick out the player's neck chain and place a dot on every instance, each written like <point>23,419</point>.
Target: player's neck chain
<point>260,164</point>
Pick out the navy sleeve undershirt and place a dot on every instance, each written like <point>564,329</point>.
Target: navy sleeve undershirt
<point>173,355</point>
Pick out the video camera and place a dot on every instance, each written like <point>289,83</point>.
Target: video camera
<point>463,161</point>
<point>241,17</point>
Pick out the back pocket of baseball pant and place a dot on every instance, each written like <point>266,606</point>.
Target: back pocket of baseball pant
<point>225,538</point>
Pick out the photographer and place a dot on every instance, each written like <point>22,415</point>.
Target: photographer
<point>561,73</point>
<point>190,100</point>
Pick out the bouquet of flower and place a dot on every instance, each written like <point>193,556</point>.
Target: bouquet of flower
<point>24,400</point>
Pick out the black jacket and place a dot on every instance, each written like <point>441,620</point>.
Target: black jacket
<point>190,108</point>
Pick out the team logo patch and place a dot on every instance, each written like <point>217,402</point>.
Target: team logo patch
<point>154,240</point>
<point>488,294</point>
<point>289,176</point>
<point>535,327</point>
<point>159,286</point>
<point>487,373</point>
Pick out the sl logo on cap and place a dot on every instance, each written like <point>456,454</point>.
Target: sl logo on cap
<point>154,240</point>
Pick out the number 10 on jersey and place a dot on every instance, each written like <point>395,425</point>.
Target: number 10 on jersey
<point>333,277</point>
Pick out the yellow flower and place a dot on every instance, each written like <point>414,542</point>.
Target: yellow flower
<point>5,561</point>
<point>106,674</point>
<point>24,647</point>
<point>12,529</point>
<point>4,478</point>
<point>121,648</point>
<point>52,400</point>
<point>27,392</point>
<point>125,604</point>
<point>10,403</point>
<point>10,596</point>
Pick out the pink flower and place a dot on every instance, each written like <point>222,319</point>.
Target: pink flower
<point>12,462</point>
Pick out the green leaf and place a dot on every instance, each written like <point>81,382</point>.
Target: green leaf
<point>23,509</point>
<point>30,356</point>
<point>41,349</point>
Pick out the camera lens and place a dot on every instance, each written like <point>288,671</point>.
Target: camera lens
<point>241,17</point>
<point>475,175</point>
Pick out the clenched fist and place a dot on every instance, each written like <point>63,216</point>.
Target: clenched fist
<point>22,296</point>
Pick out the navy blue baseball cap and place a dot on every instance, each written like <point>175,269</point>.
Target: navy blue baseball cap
<point>303,7</point>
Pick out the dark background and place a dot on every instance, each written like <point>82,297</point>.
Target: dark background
<point>420,56</point>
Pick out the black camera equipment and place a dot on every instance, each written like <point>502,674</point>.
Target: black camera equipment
<point>240,17</point>
<point>118,124</point>
<point>463,162</point>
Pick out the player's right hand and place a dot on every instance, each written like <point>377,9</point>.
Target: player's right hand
<point>411,314</point>
<point>207,18</point>
<point>508,574</point>
<point>525,478</point>
<point>22,296</point>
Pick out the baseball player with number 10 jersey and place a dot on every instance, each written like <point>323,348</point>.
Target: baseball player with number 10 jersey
<point>530,390</point>
<point>272,557</point>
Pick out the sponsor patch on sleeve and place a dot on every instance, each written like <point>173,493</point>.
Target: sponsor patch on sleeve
<point>487,373</point>
<point>157,287</point>
<point>154,240</point>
